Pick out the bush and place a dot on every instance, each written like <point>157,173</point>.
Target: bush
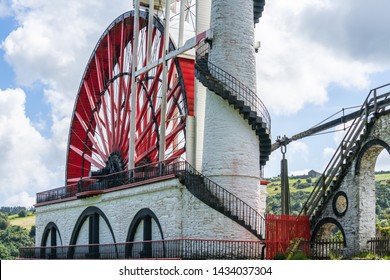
<point>22,214</point>
<point>4,223</point>
<point>298,255</point>
<point>279,256</point>
<point>11,239</point>
<point>32,231</point>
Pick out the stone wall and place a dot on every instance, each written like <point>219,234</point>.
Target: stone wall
<point>179,213</point>
<point>358,221</point>
<point>231,148</point>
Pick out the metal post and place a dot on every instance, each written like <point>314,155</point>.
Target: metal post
<point>150,32</point>
<point>285,190</point>
<point>133,94</point>
<point>375,103</point>
<point>164,87</point>
<point>183,4</point>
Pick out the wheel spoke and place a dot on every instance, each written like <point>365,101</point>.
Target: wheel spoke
<point>101,120</point>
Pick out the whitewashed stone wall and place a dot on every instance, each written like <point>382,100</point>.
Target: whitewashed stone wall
<point>180,214</point>
<point>231,148</point>
<point>233,38</point>
<point>358,222</point>
<point>231,151</point>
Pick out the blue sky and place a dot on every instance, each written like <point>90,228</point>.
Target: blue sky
<point>316,57</point>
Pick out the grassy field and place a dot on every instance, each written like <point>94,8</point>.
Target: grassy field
<point>24,222</point>
<point>382,177</point>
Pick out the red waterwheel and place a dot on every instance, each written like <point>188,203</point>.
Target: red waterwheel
<point>99,131</point>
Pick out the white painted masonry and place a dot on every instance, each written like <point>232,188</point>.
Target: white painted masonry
<point>231,148</point>
<point>358,222</point>
<point>180,214</point>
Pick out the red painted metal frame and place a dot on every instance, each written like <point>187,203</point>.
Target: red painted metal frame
<point>100,122</point>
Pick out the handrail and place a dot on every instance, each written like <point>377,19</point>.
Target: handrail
<point>224,201</point>
<point>232,84</point>
<point>204,189</point>
<point>348,148</point>
<point>135,175</point>
<point>190,249</point>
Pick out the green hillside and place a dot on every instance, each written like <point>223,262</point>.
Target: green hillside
<point>301,188</point>
<point>24,222</point>
<point>15,231</point>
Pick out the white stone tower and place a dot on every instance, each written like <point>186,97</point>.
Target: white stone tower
<point>231,146</point>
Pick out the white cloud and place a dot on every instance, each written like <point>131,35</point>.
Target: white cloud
<point>5,10</point>
<point>328,153</point>
<point>299,172</point>
<point>22,148</point>
<point>20,199</point>
<point>51,46</point>
<point>54,41</point>
<point>294,69</point>
<point>299,149</point>
<point>383,161</point>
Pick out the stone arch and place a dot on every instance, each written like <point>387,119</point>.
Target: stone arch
<point>330,221</point>
<point>51,230</point>
<point>375,146</point>
<point>366,189</point>
<point>149,221</point>
<point>50,250</point>
<point>93,215</point>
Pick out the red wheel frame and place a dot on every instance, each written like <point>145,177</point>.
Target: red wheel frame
<point>99,131</point>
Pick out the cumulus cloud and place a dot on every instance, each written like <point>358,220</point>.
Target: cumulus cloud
<point>54,41</point>
<point>355,28</point>
<point>300,58</point>
<point>50,46</point>
<point>383,161</point>
<point>5,11</point>
<point>22,148</point>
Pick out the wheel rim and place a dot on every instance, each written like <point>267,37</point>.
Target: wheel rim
<point>99,132</point>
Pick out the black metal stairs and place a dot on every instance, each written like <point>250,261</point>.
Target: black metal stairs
<point>237,94</point>
<point>223,201</point>
<point>340,164</point>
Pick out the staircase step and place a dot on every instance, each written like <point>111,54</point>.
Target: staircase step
<point>239,104</point>
<point>232,99</point>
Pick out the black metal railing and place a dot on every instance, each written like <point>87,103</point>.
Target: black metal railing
<point>324,249</point>
<point>186,249</point>
<point>346,151</point>
<point>224,201</point>
<point>201,187</point>
<point>231,84</point>
<point>56,194</point>
<point>379,246</point>
<point>100,183</point>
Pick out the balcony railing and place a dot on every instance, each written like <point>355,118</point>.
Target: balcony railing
<point>101,183</point>
<point>186,249</point>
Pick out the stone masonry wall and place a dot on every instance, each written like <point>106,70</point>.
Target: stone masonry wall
<point>180,214</point>
<point>358,222</point>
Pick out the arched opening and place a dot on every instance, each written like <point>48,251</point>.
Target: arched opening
<point>51,238</point>
<point>145,228</point>
<point>382,194</point>
<point>92,228</point>
<point>373,168</point>
<point>328,239</point>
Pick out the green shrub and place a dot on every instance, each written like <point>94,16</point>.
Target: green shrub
<point>298,255</point>
<point>22,214</point>
<point>279,256</point>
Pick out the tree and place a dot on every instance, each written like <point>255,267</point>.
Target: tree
<point>4,223</point>
<point>22,213</point>
<point>11,239</point>
<point>32,231</point>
